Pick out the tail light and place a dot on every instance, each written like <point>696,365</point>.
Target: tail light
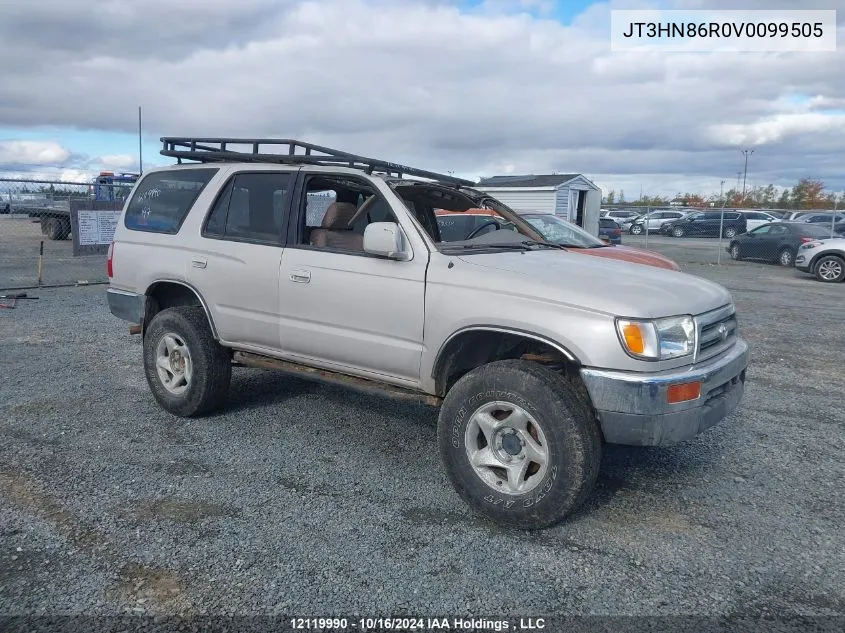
<point>617,231</point>
<point>804,240</point>
<point>109,265</point>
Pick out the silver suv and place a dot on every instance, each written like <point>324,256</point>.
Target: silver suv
<point>823,258</point>
<point>323,264</point>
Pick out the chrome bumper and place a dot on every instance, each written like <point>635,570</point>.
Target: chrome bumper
<point>633,407</point>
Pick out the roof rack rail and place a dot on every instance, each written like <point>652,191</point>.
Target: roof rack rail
<point>288,152</point>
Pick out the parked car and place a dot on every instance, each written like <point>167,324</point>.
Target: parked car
<point>753,219</point>
<point>653,221</point>
<point>839,228</point>
<point>611,230</point>
<point>621,214</point>
<point>706,223</point>
<point>822,218</point>
<point>558,231</point>
<point>823,258</point>
<point>794,215</point>
<point>775,242</point>
<point>535,355</point>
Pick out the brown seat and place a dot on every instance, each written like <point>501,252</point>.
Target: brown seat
<point>335,232</point>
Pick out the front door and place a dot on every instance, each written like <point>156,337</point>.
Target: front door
<point>341,307</point>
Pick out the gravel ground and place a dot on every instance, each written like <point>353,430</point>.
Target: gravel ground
<point>303,499</point>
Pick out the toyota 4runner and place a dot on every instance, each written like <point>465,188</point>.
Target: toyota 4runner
<point>280,254</point>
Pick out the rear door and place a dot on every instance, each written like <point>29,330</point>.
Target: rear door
<point>236,263</point>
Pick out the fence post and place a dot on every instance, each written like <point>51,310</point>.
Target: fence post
<point>40,263</point>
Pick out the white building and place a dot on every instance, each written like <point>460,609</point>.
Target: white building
<point>571,196</point>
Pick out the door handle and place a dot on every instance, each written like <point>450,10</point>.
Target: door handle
<point>199,262</point>
<point>301,276</point>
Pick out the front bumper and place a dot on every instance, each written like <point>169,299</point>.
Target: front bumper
<point>633,407</point>
<point>128,306</point>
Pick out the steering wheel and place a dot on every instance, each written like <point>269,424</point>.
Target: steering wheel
<point>478,228</point>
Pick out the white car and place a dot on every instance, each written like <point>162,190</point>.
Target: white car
<point>654,221</point>
<point>758,218</point>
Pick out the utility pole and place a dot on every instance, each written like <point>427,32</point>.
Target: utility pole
<point>140,145</point>
<point>721,189</point>
<point>738,176</point>
<point>746,152</point>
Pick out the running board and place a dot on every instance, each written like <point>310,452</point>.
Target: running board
<point>364,385</point>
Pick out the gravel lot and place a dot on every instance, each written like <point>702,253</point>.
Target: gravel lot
<point>302,499</point>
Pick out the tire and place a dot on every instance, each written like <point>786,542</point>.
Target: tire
<point>202,385</point>
<point>736,253</point>
<point>786,257</point>
<point>561,430</point>
<point>64,228</point>
<point>678,231</point>
<point>729,232</point>
<point>51,228</point>
<point>636,229</point>
<point>830,269</point>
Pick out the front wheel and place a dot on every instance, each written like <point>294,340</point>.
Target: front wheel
<point>187,370</point>
<point>518,444</point>
<point>636,229</point>
<point>830,269</point>
<point>678,231</point>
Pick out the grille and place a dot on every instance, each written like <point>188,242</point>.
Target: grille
<point>717,332</point>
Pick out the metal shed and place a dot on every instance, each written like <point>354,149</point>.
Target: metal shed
<point>572,196</point>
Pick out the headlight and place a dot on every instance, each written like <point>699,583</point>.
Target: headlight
<point>658,339</point>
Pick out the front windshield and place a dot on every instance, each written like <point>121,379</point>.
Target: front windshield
<point>561,232</point>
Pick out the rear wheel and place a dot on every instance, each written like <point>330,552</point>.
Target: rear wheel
<point>830,269</point>
<point>730,232</point>
<point>187,370</point>
<point>678,231</point>
<point>736,253</point>
<point>518,443</point>
<point>786,257</point>
<point>51,228</point>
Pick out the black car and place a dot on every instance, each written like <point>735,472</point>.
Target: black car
<point>707,223</point>
<point>776,242</point>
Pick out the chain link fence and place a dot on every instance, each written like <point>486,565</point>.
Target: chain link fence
<point>45,238</point>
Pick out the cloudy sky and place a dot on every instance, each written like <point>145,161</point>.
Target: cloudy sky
<point>478,87</point>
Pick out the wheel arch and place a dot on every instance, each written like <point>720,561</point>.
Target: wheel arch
<point>818,256</point>
<point>473,346</point>
<point>170,293</point>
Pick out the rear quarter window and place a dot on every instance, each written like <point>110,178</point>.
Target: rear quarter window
<point>162,199</point>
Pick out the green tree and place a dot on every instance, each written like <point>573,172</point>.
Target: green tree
<point>621,197</point>
<point>785,200</point>
<point>611,197</point>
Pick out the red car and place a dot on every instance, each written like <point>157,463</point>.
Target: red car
<point>457,225</point>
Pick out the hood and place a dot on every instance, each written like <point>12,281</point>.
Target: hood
<point>597,283</point>
<point>630,254</point>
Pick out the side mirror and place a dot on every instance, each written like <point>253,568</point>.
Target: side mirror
<point>386,240</point>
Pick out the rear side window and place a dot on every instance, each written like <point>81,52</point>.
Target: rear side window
<point>608,224</point>
<point>250,208</point>
<point>162,200</point>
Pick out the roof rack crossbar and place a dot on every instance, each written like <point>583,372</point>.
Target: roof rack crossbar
<point>218,150</point>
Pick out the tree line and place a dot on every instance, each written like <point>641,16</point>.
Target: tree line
<point>806,194</point>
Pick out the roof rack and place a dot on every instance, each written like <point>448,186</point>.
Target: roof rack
<point>289,152</point>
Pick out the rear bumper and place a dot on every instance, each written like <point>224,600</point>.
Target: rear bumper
<point>125,305</point>
<point>633,408</point>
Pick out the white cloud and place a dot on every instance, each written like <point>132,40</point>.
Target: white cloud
<point>117,161</point>
<point>21,152</point>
